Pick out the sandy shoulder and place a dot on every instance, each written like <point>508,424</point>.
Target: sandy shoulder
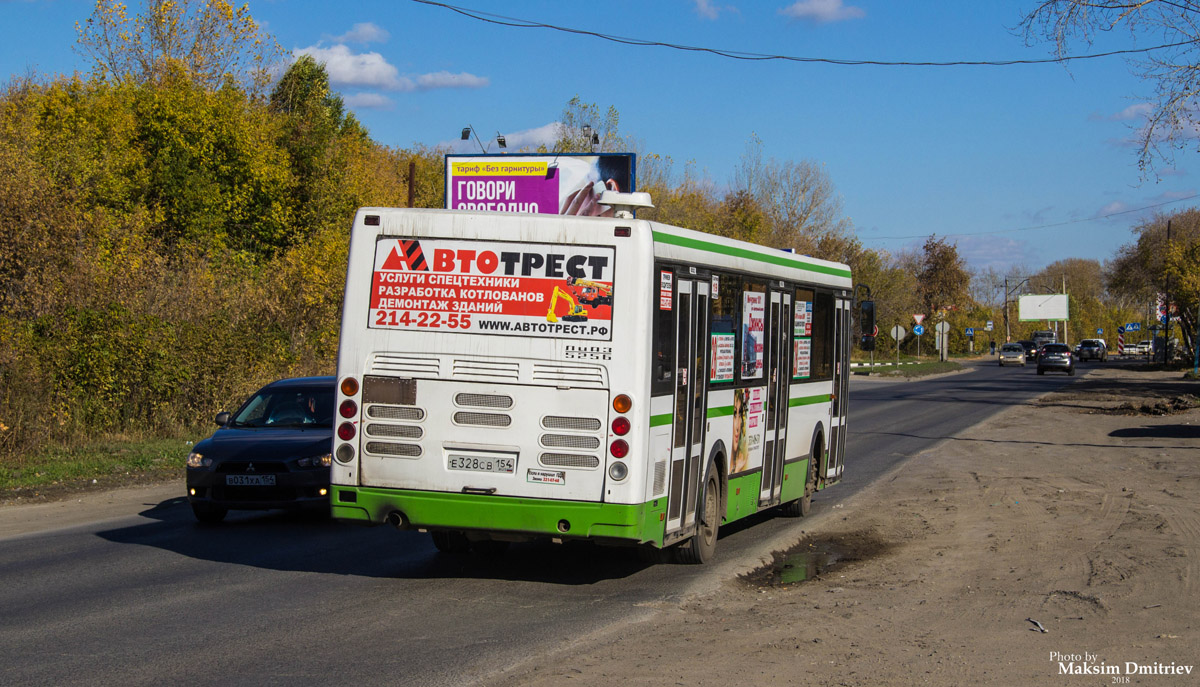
<point>1055,512</point>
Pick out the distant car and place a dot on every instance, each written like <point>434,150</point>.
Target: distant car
<point>1031,350</point>
<point>1092,349</point>
<point>1012,354</point>
<point>1056,356</point>
<point>272,452</point>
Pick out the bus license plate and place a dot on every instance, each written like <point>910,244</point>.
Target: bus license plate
<point>483,463</point>
<point>250,480</point>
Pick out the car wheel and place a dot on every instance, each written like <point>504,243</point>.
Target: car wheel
<point>208,513</point>
<point>703,544</point>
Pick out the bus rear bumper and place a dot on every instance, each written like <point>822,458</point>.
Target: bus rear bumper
<point>618,523</point>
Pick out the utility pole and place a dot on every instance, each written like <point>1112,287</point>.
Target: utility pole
<point>1167,306</point>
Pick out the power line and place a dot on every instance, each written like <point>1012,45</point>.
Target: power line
<point>1045,226</point>
<point>752,56</point>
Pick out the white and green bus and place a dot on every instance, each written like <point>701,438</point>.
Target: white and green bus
<point>505,377</point>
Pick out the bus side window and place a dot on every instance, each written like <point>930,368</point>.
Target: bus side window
<point>663,363</point>
<point>822,336</point>
<point>724,336</point>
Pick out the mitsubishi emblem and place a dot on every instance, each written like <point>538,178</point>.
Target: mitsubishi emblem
<point>250,467</point>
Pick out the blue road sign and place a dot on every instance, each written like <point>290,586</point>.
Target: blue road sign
<point>970,331</point>
<point>1099,331</point>
<point>1121,329</point>
<point>1133,326</point>
<point>919,329</point>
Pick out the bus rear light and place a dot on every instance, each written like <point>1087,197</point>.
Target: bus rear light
<point>618,471</point>
<point>348,409</point>
<point>620,426</point>
<point>349,386</point>
<point>346,431</point>
<point>622,403</point>
<point>619,449</point>
<point>345,453</point>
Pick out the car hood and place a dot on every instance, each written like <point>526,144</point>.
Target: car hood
<point>266,444</point>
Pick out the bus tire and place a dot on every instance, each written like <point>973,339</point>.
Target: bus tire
<point>703,544</point>
<point>802,506</point>
<point>450,542</point>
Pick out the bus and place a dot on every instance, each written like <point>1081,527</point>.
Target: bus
<point>508,377</point>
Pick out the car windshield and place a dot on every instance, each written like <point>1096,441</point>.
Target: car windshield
<point>1090,344</point>
<point>1056,348</point>
<point>287,407</point>
<point>1013,348</point>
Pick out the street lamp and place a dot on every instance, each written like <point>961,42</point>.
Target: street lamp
<point>466,136</point>
<point>592,138</point>
<point>1007,295</point>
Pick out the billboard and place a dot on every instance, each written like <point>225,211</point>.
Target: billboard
<point>1052,306</point>
<point>566,184</point>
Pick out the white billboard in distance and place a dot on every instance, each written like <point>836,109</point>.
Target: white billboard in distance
<point>1051,306</point>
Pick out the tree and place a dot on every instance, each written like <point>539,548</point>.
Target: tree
<point>209,40</point>
<point>1172,71</point>
<point>580,121</point>
<point>943,281</point>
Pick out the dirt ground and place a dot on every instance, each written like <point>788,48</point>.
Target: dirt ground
<point>1077,514</point>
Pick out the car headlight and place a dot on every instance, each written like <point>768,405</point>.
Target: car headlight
<point>321,461</point>
<point>197,460</point>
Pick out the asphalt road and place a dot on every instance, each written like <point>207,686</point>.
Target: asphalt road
<point>267,599</point>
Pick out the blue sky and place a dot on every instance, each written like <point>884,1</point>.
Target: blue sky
<point>984,155</point>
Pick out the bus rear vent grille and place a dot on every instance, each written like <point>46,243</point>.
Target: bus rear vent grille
<point>570,441</point>
<point>376,429</point>
<point>381,448</point>
<point>578,424</point>
<point>396,413</point>
<point>569,374</point>
<point>483,401</point>
<point>482,419</point>
<point>568,460</point>
<point>660,477</point>
<point>487,369</point>
<point>406,365</point>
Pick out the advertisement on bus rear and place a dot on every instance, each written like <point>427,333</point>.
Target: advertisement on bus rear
<point>483,287</point>
<point>540,184</point>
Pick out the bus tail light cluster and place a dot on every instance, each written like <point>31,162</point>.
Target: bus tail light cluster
<point>348,409</point>
<point>619,448</point>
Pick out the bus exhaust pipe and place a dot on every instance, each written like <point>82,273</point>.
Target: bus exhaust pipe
<point>396,519</point>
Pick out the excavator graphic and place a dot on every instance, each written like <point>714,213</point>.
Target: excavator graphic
<point>576,312</point>
<point>591,293</point>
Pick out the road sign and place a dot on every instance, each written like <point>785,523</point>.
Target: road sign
<point>942,327</point>
<point>1099,331</point>
<point>919,329</point>
<point>918,317</point>
<point>875,332</point>
<point>1133,327</point>
<point>988,328</point>
<point>970,331</point>
<point>898,332</point>
<point>1121,329</point>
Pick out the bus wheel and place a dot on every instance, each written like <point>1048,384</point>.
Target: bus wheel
<point>802,506</point>
<point>450,542</point>
<point>701,547</point>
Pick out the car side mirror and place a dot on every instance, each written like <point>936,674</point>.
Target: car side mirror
<point>866,325</point>
<point>222,419</point>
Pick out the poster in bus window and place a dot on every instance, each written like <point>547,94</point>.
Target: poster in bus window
<point>802,358</point>
<point>485,287</point>
<point>722,357</point>
<point>754,309</point>
<point>748,428</point>
<point>803,324</point>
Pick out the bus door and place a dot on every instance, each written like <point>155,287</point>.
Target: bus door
<point>779,351</point>
<point>841,387</point>
<point>691,403</point>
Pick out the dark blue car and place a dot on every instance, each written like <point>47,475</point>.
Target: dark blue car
<point>272,452</point>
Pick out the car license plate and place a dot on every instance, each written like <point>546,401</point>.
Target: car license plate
<point>250,480</point>
<point>481,463</point>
